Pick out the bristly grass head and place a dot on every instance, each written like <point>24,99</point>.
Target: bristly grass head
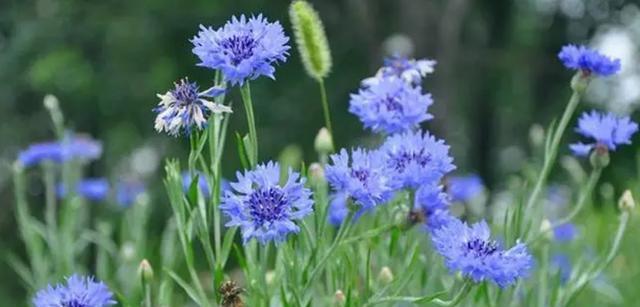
<point>311,39</point>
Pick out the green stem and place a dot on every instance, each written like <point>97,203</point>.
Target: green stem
<point>245,92</point>
<point>552,151</point>
<point>147,295</point>
<point>50,209</point>
<point>542,286</point>
<point>462,293</point>
<point>325,106</point>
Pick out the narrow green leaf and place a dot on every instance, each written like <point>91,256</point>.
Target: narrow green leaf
<point>185,286</point>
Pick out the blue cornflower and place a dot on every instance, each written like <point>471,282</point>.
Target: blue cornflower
<point>433,205</point>
<point>416,158</point>
<point>243,49</point>
<point>588,60</point>
<point>607,130</point>
<point>470,250</point>
<point>262,207</point>
<point>410,70</point>
<point>360,177</point>
<point>464,188</point>
<point>391,106</point>
<point>185,108</point>
<point>565,232</point>
<point>203,185</point>
<point>94,189</point>
<point>77,292</point>
<point>72,147</point>
<point>128,191</point>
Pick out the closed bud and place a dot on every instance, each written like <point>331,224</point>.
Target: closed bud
<point>311,40</point>
<point>340,298</point>
<point>324,141</point>
<point>270,277</point>
<point>145,271</point>
<point>546,229</point>
<point>51,102</point>
<point>600,157</point>
<point>626,202</point>
<point>385,276</point>
<point>316,173</point>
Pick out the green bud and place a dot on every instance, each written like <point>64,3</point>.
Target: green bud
<point>340,298</point>
<point>600,157</point>
<point>546,229</point>
<point>385,276</point>
<point>145,271</point>
<point>51,102</point>
<point>626,202</point>
<point>316,174</point>
<point>311,39</point>
<point>324,141</point>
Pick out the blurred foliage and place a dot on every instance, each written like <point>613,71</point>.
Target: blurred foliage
<point>106,60</point>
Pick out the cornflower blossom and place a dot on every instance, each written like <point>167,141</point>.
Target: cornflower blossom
<point>262,207</point>
<point>94,189</point>
<point>78,291</point>
<point>243,49</point>
<point>433,206</point>
<point>410,70</point>
<point>416,158</point>
<point>470,250</point>
<point>72,147</point>
<point>588,61</point>
<point>607,130</point>
<point>391,106</point>
<point>565,232</point>
<point>464,188</point>
<point>361,177</point>
<point>184,108</point>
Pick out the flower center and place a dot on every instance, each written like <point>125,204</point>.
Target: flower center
<point>400,161</point>
<point>74,303</point>
<point>185,92</point>
<point>481,248</point>
<point>392,104</point>
<point>360,174</point>
<point>267,205</point>
<point>239,48</point>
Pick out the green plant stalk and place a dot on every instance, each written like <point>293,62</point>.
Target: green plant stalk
<point>50,213</point>
<point>543,274</point>
<point>325,106</point>
<point>147,295</point>
<point>462,293</point>
<point>551,154</point>
<point>245,92</point>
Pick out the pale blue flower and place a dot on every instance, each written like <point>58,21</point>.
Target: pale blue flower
<point>433,204</point>
<point>606,130</point>
<point>464,188</point>
<point>588,60</point>
<point>94,189</point>
<point>77,292</point>
<point>410,70</point>
<point>72,147</point>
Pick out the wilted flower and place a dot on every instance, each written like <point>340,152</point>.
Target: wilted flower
<point>184,108</point>
<point>94,189</point>
<point>203,185</point>
<point>360,177</point>
<point>78,291</point>
<point>464,188</point>
<point>410,70</point>
<point>243,49</point>
<point>607,130</point>
<point>470,250</point>
<point>588,60</point>
<point>72,147</point>
<point>391,106</point>
<point>416,158</point>
<point>262,207</point>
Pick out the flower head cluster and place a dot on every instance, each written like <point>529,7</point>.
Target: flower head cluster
<point>78,291</point>
<point>464,188</point>
<point>410,70</point>
<point>391,105</point>
<point>607,130</point>
<point>361,177</point>
<point>588,60</point>
<point>416,158</point>
<point>72,147</point>
<point>184,108</point>
<point>94,189</point>
<point>243,49</point>
<point>470,250</point>
<point>433,205</point>
<point>262,207</point>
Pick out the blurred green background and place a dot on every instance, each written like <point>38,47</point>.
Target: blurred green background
<point>497,75</point>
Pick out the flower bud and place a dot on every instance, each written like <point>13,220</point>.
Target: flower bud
<point>600,157</point>
<point>269,277</point>
<point>51,102</point>
<point>580,81</point>
<point>536,135</point>
<point>546,229</point>
<point>145,271</point>
<point>316,173</point>
<point>626,202</point>
<point>340,298</point>
<point>385,276</point>
<point>324,141</point>
<point>311,39</point>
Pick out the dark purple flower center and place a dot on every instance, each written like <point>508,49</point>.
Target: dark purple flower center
<point>74,303</point>
<point>400,161</point>
<point>267,205</point>
<point>360,174</point>
<point>239,48</point>
<point>185,92</point>
<point>480,248</point>
<point>392,104</point>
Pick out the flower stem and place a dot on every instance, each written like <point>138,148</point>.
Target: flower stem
<point>462,293</point>
<point>552,151</point>
<point>325,106</point>
<point>245,92</point>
